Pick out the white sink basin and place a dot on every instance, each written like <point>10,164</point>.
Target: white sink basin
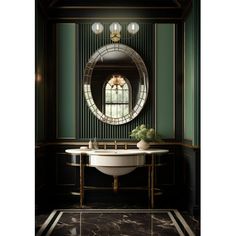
<point>116,162</point>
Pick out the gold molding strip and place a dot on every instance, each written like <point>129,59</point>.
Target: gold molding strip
<point>110,188</point>
<point>115,18</point>
<point>126,144</point>
<point>117,7</point>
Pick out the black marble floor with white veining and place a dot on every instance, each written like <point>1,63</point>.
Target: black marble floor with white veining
<point>113,222</point>
<point>102,219</point>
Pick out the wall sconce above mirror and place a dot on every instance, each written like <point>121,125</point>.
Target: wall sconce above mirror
<point>97,28</point>
<point>115,84</point>
<point>115,30</point>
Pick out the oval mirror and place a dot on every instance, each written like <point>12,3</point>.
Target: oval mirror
<point>115,84</point>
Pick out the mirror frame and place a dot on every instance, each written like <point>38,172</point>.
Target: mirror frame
<point>143,84</point>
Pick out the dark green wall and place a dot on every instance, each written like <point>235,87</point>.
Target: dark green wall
<point>65,80</point>
<point>75,44</point>
<point>68,116</point>
<point>192,76</point>
<point>165,79</point>
<point>159,110</point>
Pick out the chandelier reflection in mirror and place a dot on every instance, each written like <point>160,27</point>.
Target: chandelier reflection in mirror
<point>117,80</point>
<point>115,30</point>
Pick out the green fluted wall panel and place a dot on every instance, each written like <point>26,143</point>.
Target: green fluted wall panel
<point>89,126</point>
<point>165,76</point>
<point>40,79</point>
<point>192,77</point>
<point>65,79</point>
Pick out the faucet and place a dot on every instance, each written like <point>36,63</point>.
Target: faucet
<point>115,145</point>
<point>95,144</point>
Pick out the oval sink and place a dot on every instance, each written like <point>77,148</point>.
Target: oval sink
<point>116,162</point>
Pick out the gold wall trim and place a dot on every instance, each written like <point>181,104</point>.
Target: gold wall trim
<point>115,18</point>
<point>116,7</point>
<point>110,188</point>
<point>78,144</point>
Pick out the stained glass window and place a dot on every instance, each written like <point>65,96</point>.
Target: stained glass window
<point>117,97</point>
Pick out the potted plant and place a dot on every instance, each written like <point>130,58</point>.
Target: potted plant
<point>144,135</point>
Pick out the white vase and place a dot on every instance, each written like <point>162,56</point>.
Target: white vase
<point>143,145</point>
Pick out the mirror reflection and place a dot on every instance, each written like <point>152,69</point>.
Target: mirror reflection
<point>115,84</point>
<point>117,96</point>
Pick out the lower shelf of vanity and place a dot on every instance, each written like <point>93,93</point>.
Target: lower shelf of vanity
<point>157,191</point>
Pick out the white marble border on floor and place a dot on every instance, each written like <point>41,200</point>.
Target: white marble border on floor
<point>115,211</point>
<point>184,223</point>
<point>54,224</point>
<point>45,224</point>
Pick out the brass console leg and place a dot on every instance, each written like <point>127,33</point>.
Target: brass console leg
<point>81,181</point>
<point>149,186</point>
<point>152,181</point>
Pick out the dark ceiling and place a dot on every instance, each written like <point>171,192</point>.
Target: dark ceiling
<point>162,10</point>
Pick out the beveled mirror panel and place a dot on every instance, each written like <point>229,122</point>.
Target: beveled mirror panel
<point>115,84</point>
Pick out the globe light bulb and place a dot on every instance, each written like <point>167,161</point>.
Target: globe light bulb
<point>133,28</point>
<point>97,28</point>
<point>115,27</point>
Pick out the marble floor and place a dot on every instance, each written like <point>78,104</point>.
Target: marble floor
<point>104,222</point>
<point>115,222</point>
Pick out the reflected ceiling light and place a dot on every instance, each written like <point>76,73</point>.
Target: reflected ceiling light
<point>115,29</point>
<point>117,80</point>
<point>133,28</point>
<point>97,28</point>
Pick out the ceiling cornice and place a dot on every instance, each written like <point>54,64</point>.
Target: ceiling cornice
<point>169,10</point>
